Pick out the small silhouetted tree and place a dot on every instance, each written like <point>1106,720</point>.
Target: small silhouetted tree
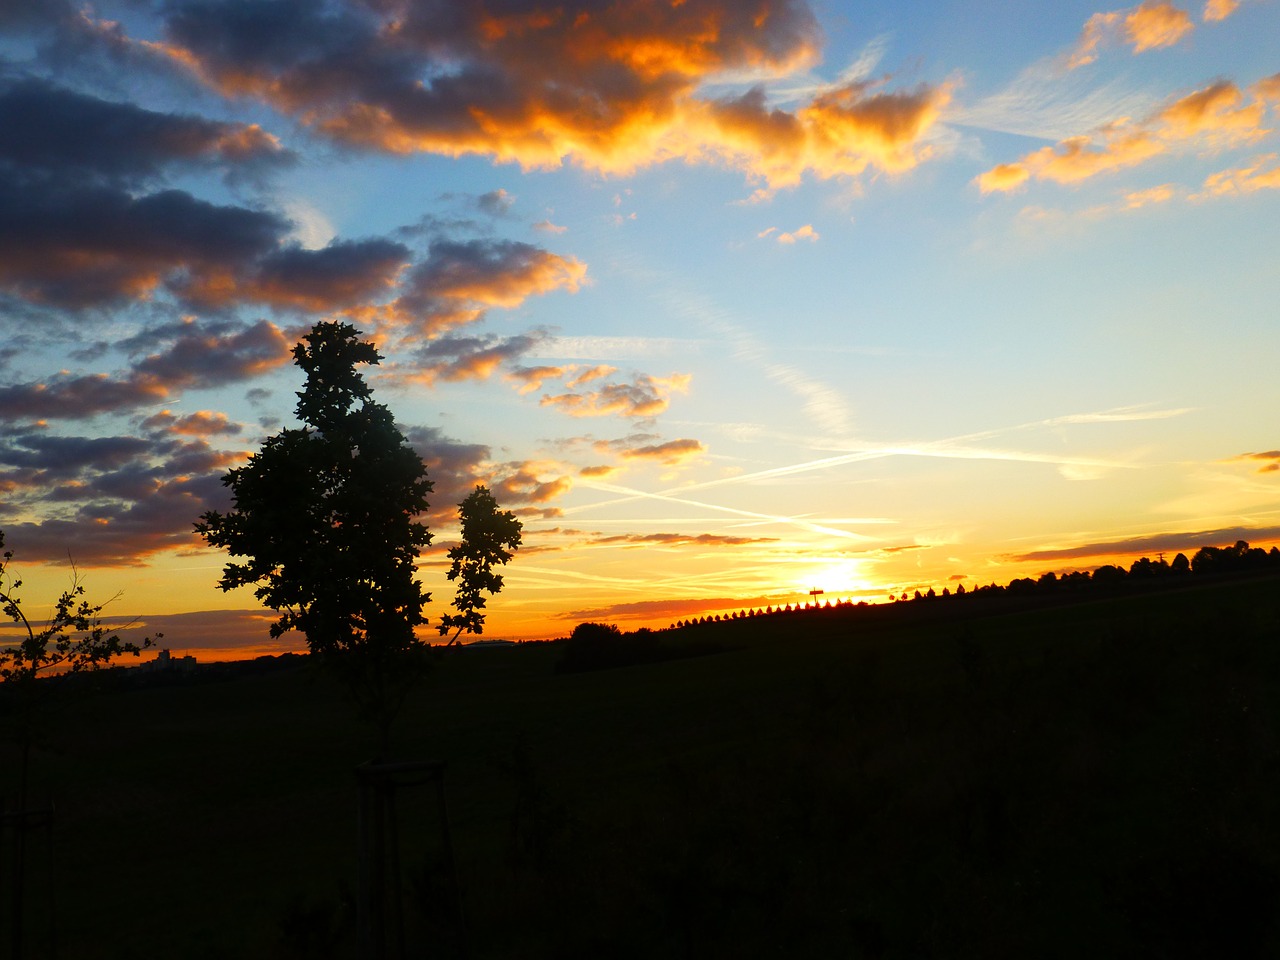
<point>489,537</point>
<point>73,640</point>
<point>326,516</point>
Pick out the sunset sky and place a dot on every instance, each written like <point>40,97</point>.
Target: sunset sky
<point>728,299</point>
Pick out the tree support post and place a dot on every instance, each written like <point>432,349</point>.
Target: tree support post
<point>380,918</point>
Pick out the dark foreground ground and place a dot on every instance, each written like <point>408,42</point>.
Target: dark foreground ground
<point>1099,779</point>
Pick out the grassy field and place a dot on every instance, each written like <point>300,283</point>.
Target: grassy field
<point>934,780</point>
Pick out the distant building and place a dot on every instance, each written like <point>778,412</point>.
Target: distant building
<point>167,663</point>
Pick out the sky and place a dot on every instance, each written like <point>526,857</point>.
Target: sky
<point>728,301</point>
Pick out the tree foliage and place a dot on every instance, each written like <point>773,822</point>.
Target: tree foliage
<point>326,517</point>
<point>73,640</point>
<point>489,537</point>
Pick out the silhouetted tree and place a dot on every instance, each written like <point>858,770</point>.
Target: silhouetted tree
<point>327,517</point>
<point>488,538</point>
<point>73,640</point>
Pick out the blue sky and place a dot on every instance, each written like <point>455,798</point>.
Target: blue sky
<point>728,301</point>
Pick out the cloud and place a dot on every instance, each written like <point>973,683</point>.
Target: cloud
<point>1003,177</point>
<point>1152,544</point>
<point>453,467</point>
<point>340,274</point>
<point>599,472</point>
<point>1269,460</point>
<point>528,379</point>
<point>598,372</point>
<point>66,133</point>
<point>672,452</point>
<point>1215,10</point>
<point>193,357</point>
<point>75,246</point>
<point>525,485</point>
<point>496,203</point>
<point>1268,89</point>
<point>674,608</point>
<point>1150,26</point>
<point>1244,180</point>
<point>678,540</point>
<point>645,396</point>
<point>202,423</point>
<point>1212,117</point>
<point>611,87</point>
<point>1154,25</point>
<point>804,233</point>
<point>546,226</point>
<point>109,501</point>
<point>452,358</point>
<point>460,280</point>
<point>1142,198</point>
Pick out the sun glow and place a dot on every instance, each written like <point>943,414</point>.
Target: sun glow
<point>835,578</point>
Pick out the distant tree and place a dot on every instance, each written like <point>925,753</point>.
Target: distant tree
<point>489,537</point>
<point>327,517</point>
<point>1180,564</point>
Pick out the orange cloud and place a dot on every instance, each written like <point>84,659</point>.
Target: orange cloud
<point>804,233</point>
<point>1270,460</point>
<point>841,133</point>
<point>202,423</point>
<point>646,396</point>
<point>1215,10</point>
<point>1244,180</point>
<point>1217,110</point>
<point>1268,89</point>
<point>672,452</point>
<point>1095,31</point>
<point>609,87</point>
<point>1216,116</point>
<point>593,373</point>
<point>459,281</point>
<point>1156,24</point>
<point>1142,198</point>
<point>525,487</point>
<point>1003,177</point>
<point>1150,26</point>
<point>600,471</point>
<point>529,379</point>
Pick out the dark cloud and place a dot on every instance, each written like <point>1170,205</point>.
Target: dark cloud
<point>453,467</point>
<point>1154,544</point>
<point>611,86</point>
<point>343,274</point>
<point>453,358</point>
<point>202,423</point>
<point>460,280</point>
<point>496,203</point>
<point>62,133</point>
<point>76,233</point>
<point>108,501</point>
<point>76,246</point>
<point>22,15</point>
<point>194,358</point>
<point>675,609</point>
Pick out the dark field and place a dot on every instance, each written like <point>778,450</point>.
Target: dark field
<point>931,780</point>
